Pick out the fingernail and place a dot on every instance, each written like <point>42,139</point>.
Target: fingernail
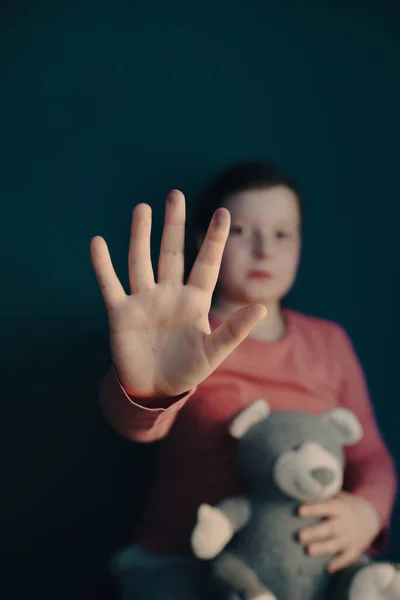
<point>172,196</point>
<point>221,217</point>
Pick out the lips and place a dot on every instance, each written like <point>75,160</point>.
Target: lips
<point>263,275</point>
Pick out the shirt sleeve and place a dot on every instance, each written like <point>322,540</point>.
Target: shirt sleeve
<point>370,471</point>
<point>138,419</point>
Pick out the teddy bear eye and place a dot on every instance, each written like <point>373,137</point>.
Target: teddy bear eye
<point>296,448</point>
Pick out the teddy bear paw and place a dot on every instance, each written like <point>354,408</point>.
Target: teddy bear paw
<point>212,532</point>
<point>376,582</point>
<point>265,596</point>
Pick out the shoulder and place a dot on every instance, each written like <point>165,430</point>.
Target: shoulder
<point>306,322</point>
<point>319,331</point>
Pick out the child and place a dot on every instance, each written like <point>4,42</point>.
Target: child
<point>173,380</point>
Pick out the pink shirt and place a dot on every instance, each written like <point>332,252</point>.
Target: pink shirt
<point>312,368</point>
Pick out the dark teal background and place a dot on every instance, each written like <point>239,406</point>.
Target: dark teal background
<point>107,103</point>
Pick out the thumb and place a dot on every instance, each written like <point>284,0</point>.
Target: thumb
<point>221,342</point>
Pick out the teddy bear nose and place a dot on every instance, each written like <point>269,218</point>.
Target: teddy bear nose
<point>323,475</point>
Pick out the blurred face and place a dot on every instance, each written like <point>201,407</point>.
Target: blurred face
<point>262,252</point>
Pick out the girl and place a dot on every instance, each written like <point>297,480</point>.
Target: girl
<point>180,373</point>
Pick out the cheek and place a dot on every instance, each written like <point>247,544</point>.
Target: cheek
<point>234,261</point>
<point>232,274</point>
<point>288,261</point>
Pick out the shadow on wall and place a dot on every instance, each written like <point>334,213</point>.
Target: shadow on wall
<point>71,486</point>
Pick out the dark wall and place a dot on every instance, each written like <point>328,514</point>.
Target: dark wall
<point>107,103</point>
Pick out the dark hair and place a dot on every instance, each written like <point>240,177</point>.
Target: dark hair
<point>238,178</point>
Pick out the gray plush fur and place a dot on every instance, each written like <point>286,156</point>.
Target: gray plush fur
<point>285,458</point>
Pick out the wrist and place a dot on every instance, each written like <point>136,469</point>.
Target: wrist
<point>133,392</point>
<point>372,516</point>
<point>150,400</point>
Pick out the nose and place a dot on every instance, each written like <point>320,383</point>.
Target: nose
<point>260,246</point>
<point>323,475</point>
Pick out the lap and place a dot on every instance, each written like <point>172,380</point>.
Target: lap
<point>143,575</point>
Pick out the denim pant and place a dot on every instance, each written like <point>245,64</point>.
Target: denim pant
<point>144,575</point>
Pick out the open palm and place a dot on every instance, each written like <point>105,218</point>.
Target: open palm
<point>160,337</point>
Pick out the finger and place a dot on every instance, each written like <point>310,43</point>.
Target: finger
<point>110,286</point>
<point>321,509</point>
<point>323,531</point>
<point>221,342</point>
<point>332,546</point>
<point>342,560</point>
<point>204,273</point>
<point>141,275</point>
<point>171,261</point>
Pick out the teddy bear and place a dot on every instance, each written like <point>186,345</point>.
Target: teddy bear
<point>285,458</point>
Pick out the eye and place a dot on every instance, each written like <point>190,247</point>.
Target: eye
<point>281,235</point>
<point>239,230</point>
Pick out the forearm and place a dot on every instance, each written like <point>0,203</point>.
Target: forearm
<point>370,470</point>
<point>374,480</point>
<point>140,420</point>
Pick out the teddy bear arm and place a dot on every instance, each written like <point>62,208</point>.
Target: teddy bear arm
<point>237,510</point>
<point>216,526</point>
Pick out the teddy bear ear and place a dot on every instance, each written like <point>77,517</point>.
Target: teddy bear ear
<point>256,412</point>
<point>347,427</point>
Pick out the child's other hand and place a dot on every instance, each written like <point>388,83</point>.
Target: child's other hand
<point>350,525</point>
<point>160,337</point>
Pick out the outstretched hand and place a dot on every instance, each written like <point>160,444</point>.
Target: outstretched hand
<point>160,337</point>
